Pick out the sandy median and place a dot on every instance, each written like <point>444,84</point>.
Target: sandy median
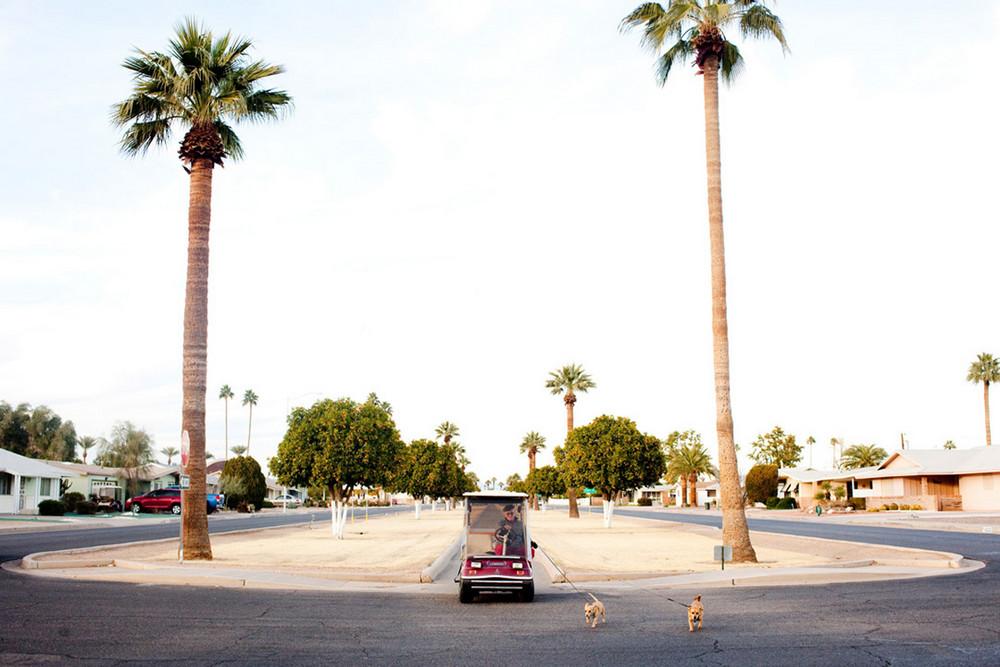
<point>392,548</point>
<point>641,548</point>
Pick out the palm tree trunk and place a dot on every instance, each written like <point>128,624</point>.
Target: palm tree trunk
<point>734,521</point>
<point>693,490</point>
<point>225,453</point>
<point>684,490</point>
<point>194,515</point>
<point>986,405</point>
<point>249,426</point>
<point>574,509</point>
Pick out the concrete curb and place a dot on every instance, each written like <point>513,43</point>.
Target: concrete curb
<point>555,574</point>
<point>434,570</point>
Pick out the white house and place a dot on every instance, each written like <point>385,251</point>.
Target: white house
<point>26,482</point>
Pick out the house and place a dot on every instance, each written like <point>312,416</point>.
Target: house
<point>92,480</point>
<point>25,482</point>
<point>803,484</point>
<point>936,479</point>
<point>669,495</point>
<point>661,494</point>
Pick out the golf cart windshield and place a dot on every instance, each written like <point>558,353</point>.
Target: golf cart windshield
<point>495,527</point>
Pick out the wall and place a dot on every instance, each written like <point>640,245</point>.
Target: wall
<point>980,492</point>
<point>926,502</point>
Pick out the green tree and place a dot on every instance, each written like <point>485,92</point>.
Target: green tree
<point>776,447</point>
<point>226,393</point>
<point>249,398</point>
<point>762,482</point>
<point>447,431</point>
<point>985,369</point>
<point>530,445</point>
<point>242,481</point>
<point>339,445</point>
<point>130,449</point>
<point>426,468</point>
<point>569,380</point>
<point>239,450</point>
<point>695,30</point>
<point>862,456</point>
<point>686,461</point>
<point>515,484</point>
<point>14,427</point>
<point>950,444</point>
<point>611,455</point>
<point>202,85</point>
<point>170,453</point>
<point>86,443</point>
<point>545,481</point>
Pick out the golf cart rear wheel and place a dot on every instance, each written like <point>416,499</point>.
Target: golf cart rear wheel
<point>528,593</point>
<point>465,594</point>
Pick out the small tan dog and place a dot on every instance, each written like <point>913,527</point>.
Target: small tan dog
<point>695,613</point>
<point>592,611</point>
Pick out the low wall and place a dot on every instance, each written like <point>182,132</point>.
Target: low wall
<point>926,502</point>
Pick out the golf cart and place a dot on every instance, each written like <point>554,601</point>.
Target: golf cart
<point>497,550</point>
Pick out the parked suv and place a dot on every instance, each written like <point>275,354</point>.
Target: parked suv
<point>163,499</point>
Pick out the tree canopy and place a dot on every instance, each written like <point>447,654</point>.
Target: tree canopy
<point>339,445</point>
<point>611,455</point>
<point>36,432</point>
<point>130,449</point>
<point>545,481</point>
<point>862,456</point>
<point>426,468</point>
<point>777,448</point>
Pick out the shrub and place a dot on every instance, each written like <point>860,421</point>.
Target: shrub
<point>916,507</point>
<point>242,482</point>
<point>266,504</point>
<point>86,507</point>
<point>771,502</point>
<point>51,508</point>
<point>904,507</point>
<point>645,501</point>
<point>785,504</point>
<point>819,495</point>
<point>893,506</point>
<point>839,492</point>
<point>762,483</point>
<point>71,499</point>
<point>857,503</point>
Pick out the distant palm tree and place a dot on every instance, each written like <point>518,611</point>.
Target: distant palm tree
<point>950,444</point>
<point>811,441</point>
<point>239,450</point>
<point>862,456</point>
<point>249,398</point>
<point>225,394</point>
<point>201,84</point>
<point>532,442</point>
<point>447,430</point>
<point>85,443</point>
<point>697,26</point>
<point>170,453</point>
<point>130,449</point>
<point>985,369</point>
<point>209,456</point>
<point>570,379</point>
<point>687,462</point>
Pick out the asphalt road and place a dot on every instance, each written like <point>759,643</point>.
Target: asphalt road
<point>932,621</point>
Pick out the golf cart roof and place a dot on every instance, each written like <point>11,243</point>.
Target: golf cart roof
<point>494,494</point>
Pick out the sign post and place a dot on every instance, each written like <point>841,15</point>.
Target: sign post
<point>185,483</point>
<point>723,552</point>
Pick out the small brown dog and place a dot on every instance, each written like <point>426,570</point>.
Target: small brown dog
<point>592,611</point>
<point>695,613</point>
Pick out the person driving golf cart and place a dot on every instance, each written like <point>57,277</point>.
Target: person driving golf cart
<point>508,538</point>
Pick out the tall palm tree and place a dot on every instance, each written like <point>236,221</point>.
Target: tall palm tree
<point>696,28</point>
<point>170,453</point>
<point>200,85</point>
<point>532,442</point>
<point>950,444</point>
<point>862,456</point>
<point>85,443</point>
<point>686,462</point>
<point>249,398</point>
<point>985,369</point>
<point>811,441</point>
<point>570,379</point>
<point>225,394</point>
<point>447,431</point>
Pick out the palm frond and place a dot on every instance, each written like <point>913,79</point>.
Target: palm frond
<point>141,135</point>
<point>266,105</point>
<point>680,51</point>
<point>230,141</point>
<point>731,64</point>
<point>759,22</point>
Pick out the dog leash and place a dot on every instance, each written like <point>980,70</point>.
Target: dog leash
<point>591,595</point>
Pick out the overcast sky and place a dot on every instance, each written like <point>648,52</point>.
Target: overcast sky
<point>469,195</point>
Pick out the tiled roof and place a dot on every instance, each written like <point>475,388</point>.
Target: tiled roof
<point>938,462</point>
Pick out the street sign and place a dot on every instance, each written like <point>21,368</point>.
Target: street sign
<point>185,482</point>
<point>590,492</point>
<point>723,553</point>
<point>185,449</point>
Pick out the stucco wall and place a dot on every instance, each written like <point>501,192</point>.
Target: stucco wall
<point>980,492</point>
<point>926,502</point>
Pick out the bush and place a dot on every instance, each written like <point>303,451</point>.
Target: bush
<point>857,503</point>
<point>242,482</point>
<point>86,507</point>
<point>71,499</point>
<point>266,504</point>
<point>762,483</point>
<point>786,504</point>
<point>819,495</point>
<point>51,508</point>
<point>916,507</point>
<point>904,507</point>
<point>645,501</point>
<point>771,502</point>
<point>893,506</point>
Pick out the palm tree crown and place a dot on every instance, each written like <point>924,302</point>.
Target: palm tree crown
<point>699,31</point>
<point>202,84</point>
<point>862,456</point>
<point>250,398</point>
<point>569,379</point>
<point>226,392</point>
<point>985,369</point>
<point>447,430</point>
<point>170,453</point>
<point>532,442</point>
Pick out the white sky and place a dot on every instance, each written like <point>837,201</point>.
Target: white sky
<point>471,194</point>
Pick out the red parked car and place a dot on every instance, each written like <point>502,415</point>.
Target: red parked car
<point>163,499</point>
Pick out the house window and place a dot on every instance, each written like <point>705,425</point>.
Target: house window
<point>46,489</point>
<point>710,493</point>
<point>6,483</point>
